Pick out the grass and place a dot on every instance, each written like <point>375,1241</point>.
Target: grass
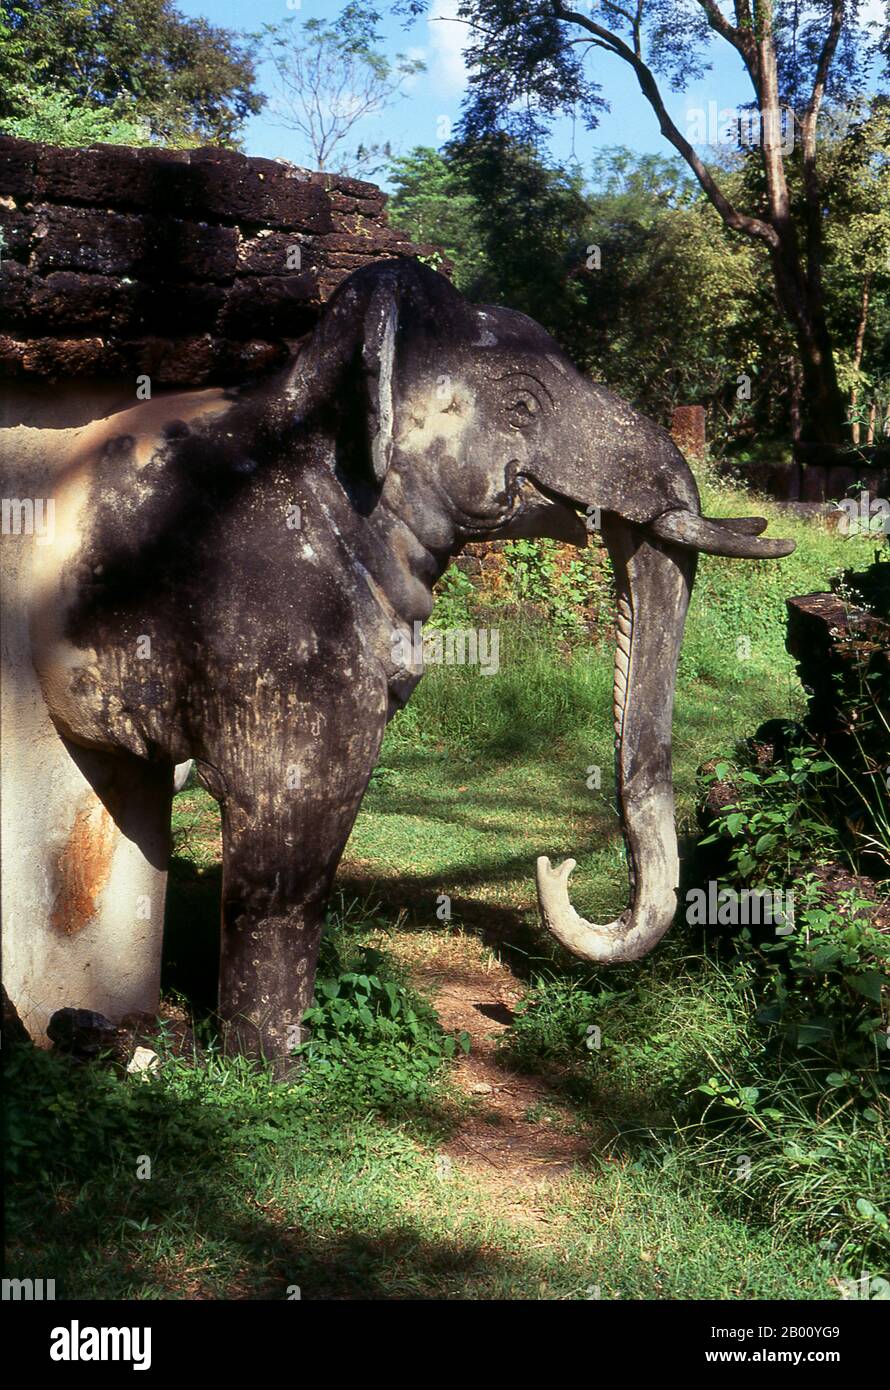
<point>255,1189</point>
<point>336,1187</point>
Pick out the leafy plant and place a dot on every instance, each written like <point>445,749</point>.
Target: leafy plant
<point>456,596</point>
<point>371,1031</point>
<point>571,590</point>
<point>777,819</point>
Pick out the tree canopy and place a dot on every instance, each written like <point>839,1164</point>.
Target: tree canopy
<point>634,272</point>
<point>531,60</point>
<point>330,75</point>
<point>137,62</point>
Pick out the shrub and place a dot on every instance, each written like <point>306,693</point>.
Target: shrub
<point>372,1037</point>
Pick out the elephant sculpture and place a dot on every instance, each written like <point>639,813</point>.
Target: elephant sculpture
<point>227,573</point>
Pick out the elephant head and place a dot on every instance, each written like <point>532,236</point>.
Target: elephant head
<point>475,419</point>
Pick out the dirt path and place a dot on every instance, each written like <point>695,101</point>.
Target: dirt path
<point>514,1138</point>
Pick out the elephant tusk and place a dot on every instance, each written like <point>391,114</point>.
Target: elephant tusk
<point>744,525</point>
<point>715,538</point>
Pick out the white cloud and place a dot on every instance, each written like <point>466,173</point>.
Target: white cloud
<point>875,11</point>
<point>447,38</point>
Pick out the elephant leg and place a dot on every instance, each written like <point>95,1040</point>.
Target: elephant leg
<point>281,847</point>
<point>275,888</point>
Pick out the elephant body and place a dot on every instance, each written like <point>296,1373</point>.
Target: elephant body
<point>227,579</point>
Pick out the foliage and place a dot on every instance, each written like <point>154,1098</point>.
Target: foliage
<point>58,119</point>
<point>372,1037</point>
<point>857,181</point>
<point>571,589</point>
<point>528,63</point>
<point>585,257</point>
<point>824,980</point>
<point>455,601</point>
<point>777,819</point>
<point>828,992</point>
<point>137,61</point>
<point>431,202</point>
<point>686,1078</point>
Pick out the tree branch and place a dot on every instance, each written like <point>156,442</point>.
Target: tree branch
<point>812,190</point>
<point>735,220</point>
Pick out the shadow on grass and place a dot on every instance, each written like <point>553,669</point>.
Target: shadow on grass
<point>199,1228</point>
<point>190,961</point>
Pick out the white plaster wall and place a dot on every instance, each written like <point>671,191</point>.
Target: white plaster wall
<point>54,829</point>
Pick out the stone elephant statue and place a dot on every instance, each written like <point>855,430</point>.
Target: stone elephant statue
<point>226,575</point>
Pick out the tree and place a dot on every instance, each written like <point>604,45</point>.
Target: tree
<point>141,62</point>
<point>527,63</point>
<point>57,119</point>
<point>635,276</point>
<point>433,203</point>
<point>331,76</point>
<point>857,180</point>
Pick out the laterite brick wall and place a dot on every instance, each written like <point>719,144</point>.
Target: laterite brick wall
<point>193,266</point>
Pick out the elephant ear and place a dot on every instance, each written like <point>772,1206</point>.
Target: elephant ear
<point>346,369</point>
<point>378,364</point>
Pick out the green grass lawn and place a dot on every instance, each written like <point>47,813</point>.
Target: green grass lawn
<point>336,1183</point>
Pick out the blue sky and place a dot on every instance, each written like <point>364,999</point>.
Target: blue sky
<point>417,119</point>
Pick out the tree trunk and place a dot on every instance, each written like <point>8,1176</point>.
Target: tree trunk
<point>824,408</point>
<point>796,398</point>
<point>798,285</point>
<point>857,355</point>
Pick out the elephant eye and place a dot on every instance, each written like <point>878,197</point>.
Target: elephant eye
<point>522,410</point>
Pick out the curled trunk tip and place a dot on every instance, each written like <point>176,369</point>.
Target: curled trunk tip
<point>629,937</point>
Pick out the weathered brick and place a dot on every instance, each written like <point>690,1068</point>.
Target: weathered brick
<point>104,243</point>
<point>17,163</point>
<point>62,302</point>
<point>259,192</point>
<point>172,262</point>
<point>115,243</point>
<point>15,292</point>
<point>173,310</point>
<point>688,429</point>
<point>271,307</point>
<point>11,352</point>
<point>113,176</point>
<point>813,483</point>
<point>52,358</point>
<point>179,250</point>
<point>367,239</point>
<point>346,186</point>
<point>16,227</point>
<point>67,299</point>
<point>269,253</point>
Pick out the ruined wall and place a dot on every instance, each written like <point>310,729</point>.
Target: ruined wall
<point>193,266</point>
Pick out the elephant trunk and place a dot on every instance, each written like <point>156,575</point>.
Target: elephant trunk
<point>654,580</point>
